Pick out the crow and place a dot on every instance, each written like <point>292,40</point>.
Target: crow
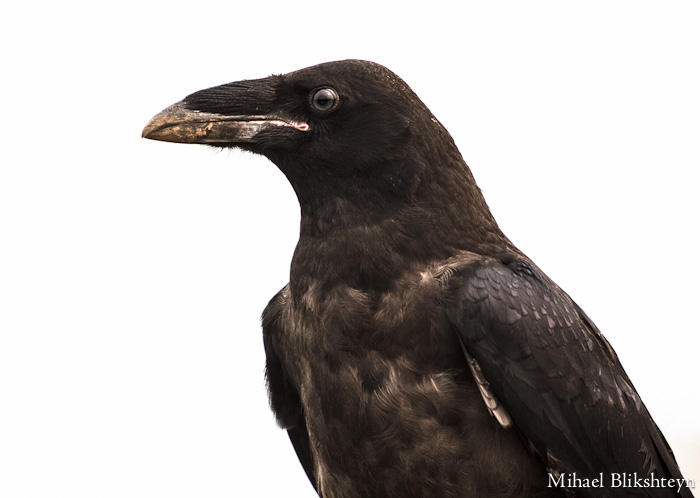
<point>416,352</point>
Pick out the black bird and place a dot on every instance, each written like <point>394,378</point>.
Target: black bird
<point>416,352</point>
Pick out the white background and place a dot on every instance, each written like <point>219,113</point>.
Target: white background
<point>133,273</point>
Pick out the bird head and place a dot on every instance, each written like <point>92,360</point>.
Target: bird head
<point>339,120</point>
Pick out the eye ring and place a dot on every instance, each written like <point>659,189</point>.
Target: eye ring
<point>323,101</point>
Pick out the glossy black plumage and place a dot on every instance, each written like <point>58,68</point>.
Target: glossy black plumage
<point>402,291</point>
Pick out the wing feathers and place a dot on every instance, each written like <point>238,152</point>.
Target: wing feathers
<point>542,366</point>
<point>495,407</point>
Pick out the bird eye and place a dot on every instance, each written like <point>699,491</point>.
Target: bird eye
<point>324,100</point>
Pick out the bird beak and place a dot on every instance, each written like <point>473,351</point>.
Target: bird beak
<point>179,124</point>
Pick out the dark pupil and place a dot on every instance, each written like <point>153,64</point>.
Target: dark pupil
<point>324,99</point>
